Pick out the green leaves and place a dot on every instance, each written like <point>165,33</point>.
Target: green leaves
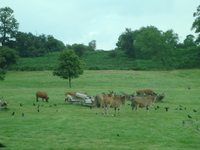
<point>69,66</point>
<point>8,24</point>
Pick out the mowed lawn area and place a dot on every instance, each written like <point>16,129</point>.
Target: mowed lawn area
<point>61,126</point>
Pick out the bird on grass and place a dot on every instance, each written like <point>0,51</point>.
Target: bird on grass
<point>183,123</point>
<point>33,104</point>
<point>158,107</point>
<point>166,108</point>
<point>55,104</point>
<point>1,145</point>
<point>50,105</point>
<point>38,106</point>
<point>20,104</point>
<point>13,113</point>
<point>189,116</point>
<point>22,114</point>
<point>180,108</point>
<point>38,110</point>
<point>117,134</point>
<point>194,110</point>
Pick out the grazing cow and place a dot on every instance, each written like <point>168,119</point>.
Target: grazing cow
<point>146,91</point>
<point>146,101</point>
<point>114,101</point>
<point>43,95</point>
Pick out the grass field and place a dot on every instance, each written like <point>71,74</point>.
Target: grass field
<point>72,127</point>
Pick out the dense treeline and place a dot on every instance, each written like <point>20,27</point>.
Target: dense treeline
<point>145,44</point>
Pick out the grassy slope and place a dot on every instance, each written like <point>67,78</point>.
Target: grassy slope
<point>77,127</point>
<point>98,60</point>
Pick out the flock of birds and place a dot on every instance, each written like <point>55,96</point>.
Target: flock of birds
<point>189,116</point>
<point>38,108</point>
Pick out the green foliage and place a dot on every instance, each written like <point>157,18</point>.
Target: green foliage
<point>91,45</point>
<point>149,43</point>
<point>29,45</point>
<point>8,25</point>
<point>69,66</point>
<point>79,49</point>
<point>196,23</point>
<point>77,127</point>
<point>7,56</point>
<point>2,74</point>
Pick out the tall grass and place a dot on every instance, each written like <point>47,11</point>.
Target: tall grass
<point>66,126</point>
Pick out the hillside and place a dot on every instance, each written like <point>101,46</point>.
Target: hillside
<point>97,60</point>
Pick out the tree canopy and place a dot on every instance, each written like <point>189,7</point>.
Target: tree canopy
<point>7,57</point>
<point>8,25</point>
<point>196,23</point>
<point>69,66</point>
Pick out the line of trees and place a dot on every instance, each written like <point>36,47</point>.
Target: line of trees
<point>150,43</point>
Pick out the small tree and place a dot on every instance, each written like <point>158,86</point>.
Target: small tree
<point>69,66</point>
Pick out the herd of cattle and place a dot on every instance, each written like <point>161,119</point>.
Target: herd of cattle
<point>142,98</point>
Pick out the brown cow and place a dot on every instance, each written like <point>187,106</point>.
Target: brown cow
<point>146,91</point>
<point>43,95</point>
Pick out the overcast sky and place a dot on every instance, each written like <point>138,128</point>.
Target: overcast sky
<point>81,21</point>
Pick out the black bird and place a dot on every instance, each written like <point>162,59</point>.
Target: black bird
<point>55,104</point>
<point>189,116</point>
<point>189,88</point>
<point>22,114</point>
<point>1,145</point>
<point>166,108</point>
<point>13,113</point>
<point>33,104</point>
<point>38,106</point>
<point>158,107</point>
<point>117,134</point>
<point>38,110</point>
<point>90,107</point>
<point>194,110</point>
<point>180,108</point>
<point>20,104</point>
<point>183,123</point>
<point>50,106</point>
<point>185,108</point>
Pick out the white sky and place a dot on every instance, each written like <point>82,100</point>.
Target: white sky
<point>81,21</point>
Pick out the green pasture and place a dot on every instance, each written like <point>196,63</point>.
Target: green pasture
<point>74,127</point>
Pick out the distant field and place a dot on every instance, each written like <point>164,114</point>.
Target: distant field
<point>73,127</point>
